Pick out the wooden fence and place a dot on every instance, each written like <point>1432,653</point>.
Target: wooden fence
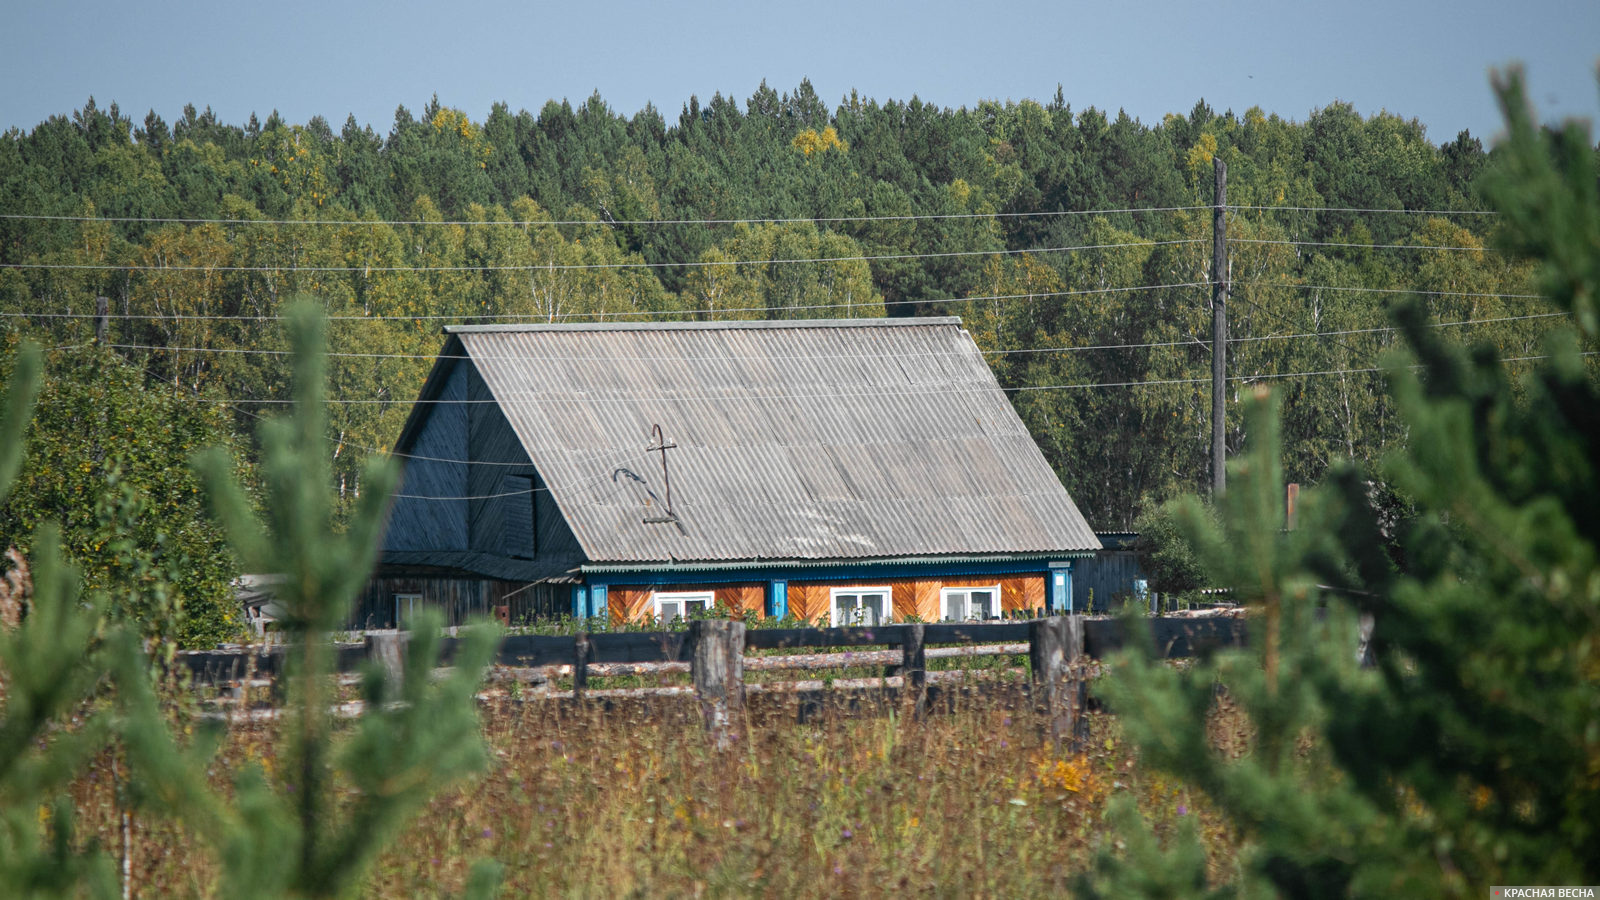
<point>714,651</point>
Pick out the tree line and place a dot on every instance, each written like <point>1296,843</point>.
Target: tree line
<point>1048,230</point>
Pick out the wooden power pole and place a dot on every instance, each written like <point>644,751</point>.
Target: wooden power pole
<point>1219,330</point>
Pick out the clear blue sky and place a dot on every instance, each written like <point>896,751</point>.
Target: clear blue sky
<point>1427,60</point>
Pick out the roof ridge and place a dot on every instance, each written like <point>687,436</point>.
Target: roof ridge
<point>733,324</point>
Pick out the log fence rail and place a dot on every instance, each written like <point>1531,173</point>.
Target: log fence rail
<point>714,653</point>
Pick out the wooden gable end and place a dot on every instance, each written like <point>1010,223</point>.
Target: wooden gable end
<point>434,454</point>
<point>468,483</point>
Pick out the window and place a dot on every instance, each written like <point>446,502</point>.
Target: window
<point>670,607</point>
<point>961,604</point>
<point>861,606</point>
<point>405,606</point>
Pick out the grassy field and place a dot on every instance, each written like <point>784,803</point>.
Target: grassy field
<point>582,801</point>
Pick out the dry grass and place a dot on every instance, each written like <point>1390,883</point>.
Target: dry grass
<point>584,801</point>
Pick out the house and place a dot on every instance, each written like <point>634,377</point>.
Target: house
<point>842,471</point>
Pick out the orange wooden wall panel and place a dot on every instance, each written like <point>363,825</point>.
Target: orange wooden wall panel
<point>903,599</point>
<point>1033,592</point>
<point>743,600</point>
<point>809,600</point>
<point>927,599</point>
<point>628,604</point>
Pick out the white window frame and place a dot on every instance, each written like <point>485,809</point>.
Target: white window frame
<point>410,601</point>
<point>833,603</point>
<point>709,598</point>
<point>947,594</point>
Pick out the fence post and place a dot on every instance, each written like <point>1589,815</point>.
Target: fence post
<point>717,664</point>
<point>581,653</point>
<point>1055,648</point>
<point>388,650</point>
<point>914,666</point>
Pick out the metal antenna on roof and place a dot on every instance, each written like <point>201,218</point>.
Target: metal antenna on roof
<point>662,445</point>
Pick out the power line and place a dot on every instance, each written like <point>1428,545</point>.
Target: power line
<point>467,462</point>
<point>878,392</point>
<point>564,267</point>
<point>767,220</point>
<point>544,490</point>
<point>1367,290</point>
<point>1256,377</point>
<point>522,223</point>
<point>1359,246</point>
<point>1353,209</point>
<point>820,357</point>
<point>1281,318</point>
<point>553,317</point>
<point>1162,382</point>
<point>340,442</point>
<point>699,264</point>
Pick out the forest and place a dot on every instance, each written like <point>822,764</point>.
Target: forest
<point>1075,245</point>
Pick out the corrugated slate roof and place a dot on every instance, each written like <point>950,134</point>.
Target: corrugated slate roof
<point>823,439</point>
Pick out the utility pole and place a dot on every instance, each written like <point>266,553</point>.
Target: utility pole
<point>1219,329</point>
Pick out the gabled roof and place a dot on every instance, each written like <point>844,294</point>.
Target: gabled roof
<point>799,440</point>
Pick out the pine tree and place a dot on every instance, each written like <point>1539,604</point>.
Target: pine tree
<point>1468,753</point>
<point>295,836</point>
<point>48,672</point>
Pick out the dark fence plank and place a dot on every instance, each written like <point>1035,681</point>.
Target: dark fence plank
<point>790,638</point>
<point>640,646</point>
<point>1174,638</point>
<point>526,650</point>
<point>886,635</point>
<point>1184,638</point>
<point>214,666</point>
<point>976,633</point>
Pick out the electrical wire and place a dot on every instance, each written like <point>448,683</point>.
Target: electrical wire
<point>1355,209</point>
<point>1367,290</point>
<point>568,267</point>
<point>1171,381</point>
<point>552,317</point>
<point>769,220</point>
<point>877,392</point>
<point>155,348</point>
<point>1262,376</point>
<point>615,461</point>
<point>1358,246</point>
<point>602,316</point>
<point>522,223</point>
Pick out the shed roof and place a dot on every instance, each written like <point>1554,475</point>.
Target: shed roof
<point>819,439</point>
